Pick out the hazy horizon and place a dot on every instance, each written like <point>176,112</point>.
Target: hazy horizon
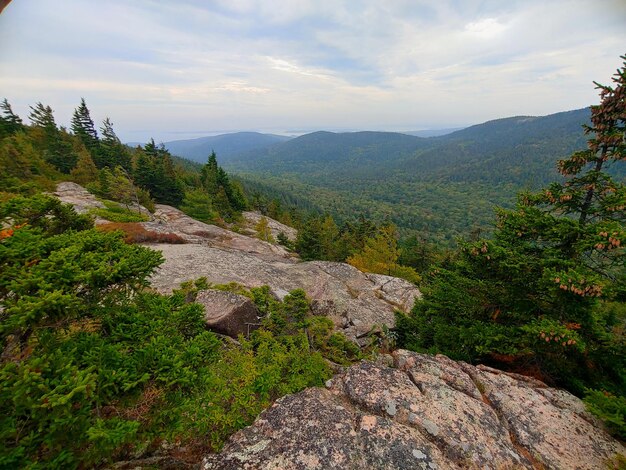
<point>187,69</point>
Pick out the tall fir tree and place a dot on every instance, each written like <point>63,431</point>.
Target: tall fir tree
<point>112,152</point>
<point>84,128</point>
<point>55,144</point>
<point>154,171</point>
<point>10,123</point>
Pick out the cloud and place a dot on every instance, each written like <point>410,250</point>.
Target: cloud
<point>243,64</point>
<point>486,29</point>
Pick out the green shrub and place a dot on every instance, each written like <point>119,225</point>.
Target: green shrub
<point>96,369</point>
<point>609,408</point>
<point>115,212</point>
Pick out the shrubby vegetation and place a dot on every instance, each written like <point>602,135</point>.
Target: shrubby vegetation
<point>94,368</point>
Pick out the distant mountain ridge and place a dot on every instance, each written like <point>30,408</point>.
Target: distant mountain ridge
<point>443,186</point>
<point>225,146</point>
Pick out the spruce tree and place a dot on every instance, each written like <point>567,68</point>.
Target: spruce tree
<point>55,144</point>
<point>10,123</point>
<point>84,128</point>
<point>112,152</point>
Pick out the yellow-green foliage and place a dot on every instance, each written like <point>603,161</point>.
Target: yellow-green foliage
<point>116,213</point>
<point>380,255</point>
<point>263,231</point>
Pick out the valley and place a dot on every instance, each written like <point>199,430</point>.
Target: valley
<point>441,188</point>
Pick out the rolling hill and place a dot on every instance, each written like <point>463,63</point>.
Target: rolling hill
<point>224,145</point>
<point>443,186</point>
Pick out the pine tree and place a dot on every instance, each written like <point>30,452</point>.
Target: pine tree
<point>154,171</point>
<point>112,152</point>
<point>55,144</point>
<point>10,123</point>
<point>83,127</point>
<point>85,170</point>
<point>308,241</point>
<point>209,174</point>
<point>42,116</point>
<point>263,231</point>
<point>199,205</point>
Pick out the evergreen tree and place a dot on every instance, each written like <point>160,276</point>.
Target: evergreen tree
<point>329,237</point>
<point>83,127</point>
<point>85,170</point>
<point>308,241</point>
<point>263,231</point>
<point>112,152</point>
<point>199,205</point>
<point>209,174</point>
<point>154,171</point>
<point>55,144</point>
<point>10,123</point>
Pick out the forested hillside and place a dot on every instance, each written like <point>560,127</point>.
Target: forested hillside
<point>227,146</point>
<point>440,187</point>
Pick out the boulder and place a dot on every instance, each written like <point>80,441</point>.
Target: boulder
<point>355,301</point>
<point>425,412</point>
<point>74,194</point>
<point>228,313</point>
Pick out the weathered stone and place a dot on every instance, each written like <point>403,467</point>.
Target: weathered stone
<point>349,297</point>
<point>356,302</point>
<point>171,220</point>
<point>228,313</point>
<point>316,429</point>
<point>429,412</point>
<point>551,424</point>
<point>82,200</point>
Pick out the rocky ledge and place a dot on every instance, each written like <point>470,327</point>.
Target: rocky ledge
<point>356,302</point>
<point>425,412</point>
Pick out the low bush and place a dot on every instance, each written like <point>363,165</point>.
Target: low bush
<point>609,408</point>
<point>137,233</point>
<point>95,369</point>
<point>117,213</point>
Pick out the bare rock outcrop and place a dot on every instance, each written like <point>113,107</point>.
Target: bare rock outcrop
<point>228,313</point>
<point>168,219</point>
<point>355,301</point>
<point>74,194</point>
<point>253,218</point>
<point>83,201</point>
<point>426,412</point>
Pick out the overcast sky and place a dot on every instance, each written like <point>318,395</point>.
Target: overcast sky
<point>182,69</point>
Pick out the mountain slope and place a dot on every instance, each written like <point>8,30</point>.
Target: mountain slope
<point>443,186</point>
<point>319,152</point>
<point>225,146</point>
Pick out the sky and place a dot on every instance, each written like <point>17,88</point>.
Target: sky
<point>187,68</point>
